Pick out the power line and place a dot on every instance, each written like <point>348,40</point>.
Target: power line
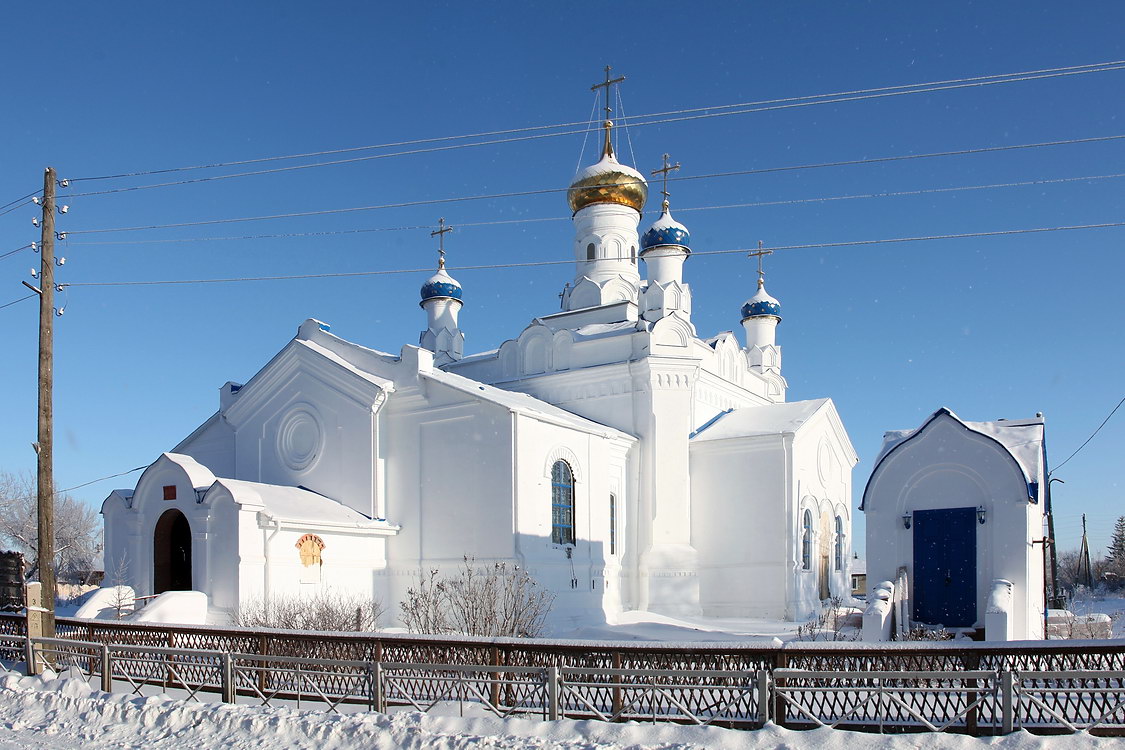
<point>21,299</point>
<point>32,194</point>
<point>546,191</point>
<point>6,211</point>
<point>636,121</point>
<point>478,224</point>
<point>386,272</point>
<point>18,249</point>
<point>1095,432</point>
<point>101,479</point>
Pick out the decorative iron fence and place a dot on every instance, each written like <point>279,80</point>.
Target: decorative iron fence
<point>970,688</point>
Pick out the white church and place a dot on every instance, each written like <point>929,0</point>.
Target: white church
<point>623,460</point>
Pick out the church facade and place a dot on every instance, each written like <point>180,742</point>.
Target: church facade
<point>621,459</point>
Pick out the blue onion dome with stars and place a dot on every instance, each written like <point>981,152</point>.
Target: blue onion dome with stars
<point>666,231</point>
<point>441,284</point>
<point>761,304</point>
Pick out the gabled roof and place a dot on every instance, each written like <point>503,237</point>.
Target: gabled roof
<point>1021,439</point>
<point>767,419</point>
<point>521,403</point>
<point>291,503</point>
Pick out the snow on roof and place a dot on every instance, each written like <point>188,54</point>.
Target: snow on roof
<point>768,419</point>
<point>523,404</point>
<point>292,503</point>
<point>1023,438</point>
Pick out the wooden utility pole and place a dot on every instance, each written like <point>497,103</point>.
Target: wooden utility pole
<point>44,448</point>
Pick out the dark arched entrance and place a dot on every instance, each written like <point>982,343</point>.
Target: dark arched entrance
<point>171,553</point>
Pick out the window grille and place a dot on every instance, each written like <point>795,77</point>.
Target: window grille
<point>562,503</point>
<point>806,542</point>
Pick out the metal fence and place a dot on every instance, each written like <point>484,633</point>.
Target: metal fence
<point>973,688</point>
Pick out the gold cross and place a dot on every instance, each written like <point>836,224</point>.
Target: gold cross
<point>608,148</point>
<point>664,171</point>
<point>760,253</point>
<point>440,234</point>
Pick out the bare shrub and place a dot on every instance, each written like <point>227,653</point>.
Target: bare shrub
<point>829,623</point>
<point>325,610</point>
<point>924,633</point>
<point>77,528</point>
<point>495,600</point>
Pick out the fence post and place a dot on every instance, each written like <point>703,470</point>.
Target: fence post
<point>1007,686</point>
<point>379,696</point>
<point>764,696</point>
<point>226,663</point>
<point>106,670</point>
<point>29,656</point>
<point>552,677</point>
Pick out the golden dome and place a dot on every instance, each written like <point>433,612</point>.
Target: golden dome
<point>608,181</point>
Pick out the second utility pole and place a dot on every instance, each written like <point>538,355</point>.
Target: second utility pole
<point>45,478</point>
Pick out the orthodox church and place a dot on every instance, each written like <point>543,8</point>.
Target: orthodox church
<point>622,460</point>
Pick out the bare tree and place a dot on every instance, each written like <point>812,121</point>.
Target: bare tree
<point>325,610</point>
<point>77,527</point>
<point>495,600</point>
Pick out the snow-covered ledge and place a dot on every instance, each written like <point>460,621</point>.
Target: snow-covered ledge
<point>877,615</point>
<point>998,621</point>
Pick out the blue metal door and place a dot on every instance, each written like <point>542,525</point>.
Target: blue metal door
<point>945,567</point>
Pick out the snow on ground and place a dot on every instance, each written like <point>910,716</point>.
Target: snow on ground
<point>64,713</point>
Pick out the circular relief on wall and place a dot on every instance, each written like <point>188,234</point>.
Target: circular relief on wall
<point>300,438</point>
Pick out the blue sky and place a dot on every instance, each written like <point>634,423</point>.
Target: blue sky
<point>990,327</point>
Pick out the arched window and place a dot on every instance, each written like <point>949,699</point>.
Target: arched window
<point>806,542</point>
<point>839,543</point>
<point>562,503</point>
<point>633,254</point>
<point>590,251</point>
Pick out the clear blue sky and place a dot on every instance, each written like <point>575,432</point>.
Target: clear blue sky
<point>990,327</point>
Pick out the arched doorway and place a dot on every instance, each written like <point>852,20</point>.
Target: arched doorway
<point>171,553</point>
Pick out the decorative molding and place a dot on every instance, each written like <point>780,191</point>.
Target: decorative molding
<point>300,437</point>
<point>562,453</point>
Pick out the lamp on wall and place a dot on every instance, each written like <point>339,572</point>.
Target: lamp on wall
<point>906,518</point>
<point>981,514</point>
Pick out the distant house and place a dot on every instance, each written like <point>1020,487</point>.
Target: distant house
<point>859,577</point>
<point>960,507</point>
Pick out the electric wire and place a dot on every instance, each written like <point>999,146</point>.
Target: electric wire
<point>13,252</point>
<point>649,118</point>
<point>6,211</point>
<point>530,264</point>
<point>14,302</point>
<point>679,209</point>
<point>1095,432</point>
<point>102,479</point>
<point>29,196</point>
<point>547,191</point>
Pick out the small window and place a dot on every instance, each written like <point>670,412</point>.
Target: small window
<point>590,251</point>
<point>633,254</point>
<point>839,543</point>
<point>612,524</point>
<point>169,492</point>
<point>562,503</point>
<point>806,542</point>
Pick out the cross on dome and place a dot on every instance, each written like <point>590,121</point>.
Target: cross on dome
<point>440,234</point>
<point>760,253</point>
<point>663,171</point>
<point>607,148</point>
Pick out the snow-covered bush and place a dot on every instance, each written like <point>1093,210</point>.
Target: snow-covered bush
<point>325,610</point>
<point>836,621</point>
<point>495,600</point>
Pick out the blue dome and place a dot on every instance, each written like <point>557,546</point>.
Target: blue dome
<point>761,304</point>
<point>441,284</point>
<point>666,231</point>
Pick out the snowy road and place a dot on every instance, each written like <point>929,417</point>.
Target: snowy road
<point>66,713</point>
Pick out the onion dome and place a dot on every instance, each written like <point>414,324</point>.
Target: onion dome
<point>761,304</point>
<point>666,231</point>
<point>608,181</point>
<point>440,285</point>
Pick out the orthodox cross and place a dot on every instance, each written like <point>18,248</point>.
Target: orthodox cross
<point>440,234</point>
<point>760,253</point>
<point>664,172</point>
<point>606,84</point>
